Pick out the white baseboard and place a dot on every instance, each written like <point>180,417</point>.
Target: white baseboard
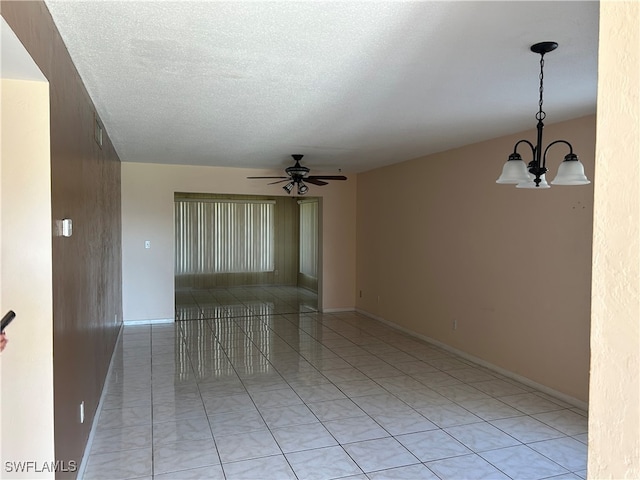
<point>514,376</point>
<point>96,417</point>
<point>151,321</point>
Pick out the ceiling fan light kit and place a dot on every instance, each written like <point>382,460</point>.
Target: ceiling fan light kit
<point>571,170</point>
<point>297,175</point>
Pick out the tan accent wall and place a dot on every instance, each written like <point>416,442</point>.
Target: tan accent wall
<point>26,366</point>
<point>147,214</point>
<point>441,245</point>
<point>85,186</point>
<point>614,403</point>
<point>286,222</point>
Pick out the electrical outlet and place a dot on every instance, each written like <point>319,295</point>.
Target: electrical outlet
<point>147,244</point>
<point>82,412</point>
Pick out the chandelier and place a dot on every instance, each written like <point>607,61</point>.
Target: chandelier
<point>571,170</point>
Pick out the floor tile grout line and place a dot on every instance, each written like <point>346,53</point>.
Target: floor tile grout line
<point>259,413</point>
<point>203,405</point>
<point>335,439</point>
<point>153,466</point>
<point>526,445</point>
<point>304,403</point>
<point>569,470</point>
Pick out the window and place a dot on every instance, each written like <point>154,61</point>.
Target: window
<point>309,238</point>
<point>224,236</point>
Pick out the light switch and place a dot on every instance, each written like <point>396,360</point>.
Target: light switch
<point>67,227</point>
<point>147,244</point>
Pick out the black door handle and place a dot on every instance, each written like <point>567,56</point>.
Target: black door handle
<point>6,320</point>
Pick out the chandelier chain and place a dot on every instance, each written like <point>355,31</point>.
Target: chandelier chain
<point>540,115</point>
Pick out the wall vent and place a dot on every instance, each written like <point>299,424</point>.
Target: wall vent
<point>98,130</point>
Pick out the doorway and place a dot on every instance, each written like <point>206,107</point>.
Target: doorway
<point>242,255</point>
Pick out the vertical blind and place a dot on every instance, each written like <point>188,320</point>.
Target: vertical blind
<point>224,236</point>
<point>309,239</point>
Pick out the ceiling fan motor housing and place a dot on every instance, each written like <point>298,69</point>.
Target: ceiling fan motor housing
<point>297,171</point>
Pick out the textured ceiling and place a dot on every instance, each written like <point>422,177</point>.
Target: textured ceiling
<point>351,85</point>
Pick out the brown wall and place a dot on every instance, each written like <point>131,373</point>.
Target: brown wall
<point>286,248</point>
<point>439,241</point>
<point>85,180</point>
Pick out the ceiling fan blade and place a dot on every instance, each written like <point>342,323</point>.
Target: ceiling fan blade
<point>278,181</point>
<point>327,177</point>
<point>268,177</point>
<point>315,181</point>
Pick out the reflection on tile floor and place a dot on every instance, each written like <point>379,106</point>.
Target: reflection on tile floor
<point>194,304</point>
<point>248,390</point>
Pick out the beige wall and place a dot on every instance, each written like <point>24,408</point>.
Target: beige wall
<point>26,366</point>
<point>147,214</point>
<point>614,403</point>
<point>440,242</point>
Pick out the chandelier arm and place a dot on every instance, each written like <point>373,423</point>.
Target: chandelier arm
<point>544,157</point>
<point>533,149</point>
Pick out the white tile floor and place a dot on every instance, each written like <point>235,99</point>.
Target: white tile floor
<point>260,386</point>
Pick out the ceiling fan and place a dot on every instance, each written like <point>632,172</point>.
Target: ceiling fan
<point>298,174</point>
